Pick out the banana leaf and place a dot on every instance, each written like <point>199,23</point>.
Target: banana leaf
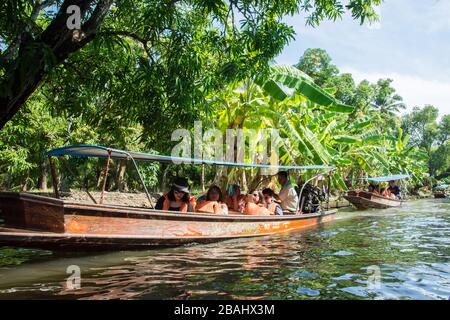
<point>360,125</point>
<point>338,181</point>
<point>346,139</point>
<point>340,108</point>
<point>274,90</point>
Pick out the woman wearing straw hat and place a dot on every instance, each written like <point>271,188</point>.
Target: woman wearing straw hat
<point>178,198</point>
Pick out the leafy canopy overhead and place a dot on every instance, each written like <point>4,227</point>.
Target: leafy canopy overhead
<point>191,45</point>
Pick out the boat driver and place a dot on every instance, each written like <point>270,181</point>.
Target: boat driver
<point>288,196</point>
<point>394,189</point>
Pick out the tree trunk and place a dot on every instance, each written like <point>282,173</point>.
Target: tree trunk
<point>25,184</point>
<point>121,182</point>
<point>99,176</point>
<point>203,178</point>
<point>163,177</point>
<point>26,72</point>
<point>42,182</point>
<point>243,181</point>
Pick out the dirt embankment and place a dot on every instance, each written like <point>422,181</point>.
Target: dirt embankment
<point>118,198</point>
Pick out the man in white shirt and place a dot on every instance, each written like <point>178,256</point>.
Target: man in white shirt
<point>288,196</point>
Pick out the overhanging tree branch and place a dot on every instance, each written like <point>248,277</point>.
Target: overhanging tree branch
<point>33,61</point>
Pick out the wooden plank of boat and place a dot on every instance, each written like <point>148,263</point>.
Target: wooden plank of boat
<point>44,222</point>
<point>439,195</point>
<point>365,200</point>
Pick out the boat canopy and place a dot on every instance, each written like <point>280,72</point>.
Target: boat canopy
<point>104,152</point>
<point>385,178</point>
<point>441,187</point>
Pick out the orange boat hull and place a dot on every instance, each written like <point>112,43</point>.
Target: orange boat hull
<point>36,221</point>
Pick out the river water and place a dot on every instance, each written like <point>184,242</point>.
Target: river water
<point>375,254</point>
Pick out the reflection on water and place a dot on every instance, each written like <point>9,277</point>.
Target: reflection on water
<point>390,254</point>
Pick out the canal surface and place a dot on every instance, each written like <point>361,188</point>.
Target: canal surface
<point>378,254</point>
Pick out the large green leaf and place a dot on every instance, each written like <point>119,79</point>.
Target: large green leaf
<point>340,108</point>
<point>360,125</point>
<point>338,181</point>
<point>346,139</point>
<point>274,90</point>
<point>317,147</point>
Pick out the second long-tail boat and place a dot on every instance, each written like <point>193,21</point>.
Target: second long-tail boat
<point>50,222</point>
<point>440,192</point>
<point>362,199</point>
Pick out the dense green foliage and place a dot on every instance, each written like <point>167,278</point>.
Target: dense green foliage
<point>150,67</point>
<point>432,136</point>
<point>172,52</point>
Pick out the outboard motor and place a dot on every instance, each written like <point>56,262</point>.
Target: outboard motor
<point>310,198</point>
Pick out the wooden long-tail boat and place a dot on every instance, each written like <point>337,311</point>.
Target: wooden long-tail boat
<point>439,195</point>
<point>439,192</point>
<point>52,223</point>
<point>366,200</point>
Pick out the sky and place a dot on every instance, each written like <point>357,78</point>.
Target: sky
<point>410,44</point>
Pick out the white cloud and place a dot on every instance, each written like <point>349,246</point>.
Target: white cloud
<point>415,90</point>
<point>437,16</point>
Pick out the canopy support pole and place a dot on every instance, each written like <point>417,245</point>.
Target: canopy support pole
<point>328,191</point>
<point>142,181</point>
<point>54,177</point>
<point>105,176</point>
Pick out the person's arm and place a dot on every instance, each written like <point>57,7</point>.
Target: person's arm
<point>284,193</point>
<point>224,208</point>
<point>159,203</point>
<point>278,211</point>
<point>235,202</point>
<point>217,207</point>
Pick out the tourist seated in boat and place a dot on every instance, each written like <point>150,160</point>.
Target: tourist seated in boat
<point>269,202</point>
<point>394,189</point>
<point>212,202</point>
<point>255,205</point>
<point>387,194</point>
<point>287,196</point>
<point>235,201</point>
<point>178,198</point>
<point>373,189</point>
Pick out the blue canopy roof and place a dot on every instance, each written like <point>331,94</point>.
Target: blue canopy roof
<point>442,187</point>
<point>84,150</point>
<point>385,178</point>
